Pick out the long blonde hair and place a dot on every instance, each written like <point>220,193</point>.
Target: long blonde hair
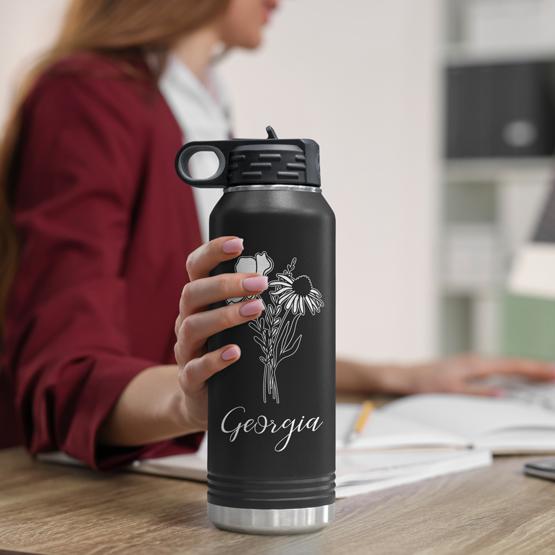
<point>116,28</point>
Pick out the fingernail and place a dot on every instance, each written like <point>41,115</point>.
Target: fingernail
<point>255,283</point>
<point>251,308</point>
<point>231,352</point>
<point>233,245</point>
<point>499,393</point>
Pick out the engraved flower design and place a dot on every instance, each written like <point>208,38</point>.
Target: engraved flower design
<point>275,331</point>
<point>260,263</point>
<point>297,294</point>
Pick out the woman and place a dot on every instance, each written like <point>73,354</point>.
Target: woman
<point>101,241</point>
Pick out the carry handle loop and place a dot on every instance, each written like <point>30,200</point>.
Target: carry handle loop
<point>218,178</point>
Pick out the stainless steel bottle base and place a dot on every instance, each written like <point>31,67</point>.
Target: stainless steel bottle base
<point>271,521</point>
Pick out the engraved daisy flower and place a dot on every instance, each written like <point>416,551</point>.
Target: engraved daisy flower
<point>297,294</point>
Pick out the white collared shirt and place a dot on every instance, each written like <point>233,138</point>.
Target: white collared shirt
<point>202,114</point>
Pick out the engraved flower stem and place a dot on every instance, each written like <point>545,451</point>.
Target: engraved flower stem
<point>275,361</point>
<point>268,384</point>
<point>264,380</point>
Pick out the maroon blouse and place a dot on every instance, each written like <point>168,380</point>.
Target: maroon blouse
<point>105,228</point>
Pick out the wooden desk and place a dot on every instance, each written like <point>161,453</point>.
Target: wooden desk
<point>53,509</point>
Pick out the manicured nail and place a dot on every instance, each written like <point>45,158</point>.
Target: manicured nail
<point>499,393</point>
<point>231,352</point>
<point>251,308</point>
<point>255,283</point>
<point>233,245</point>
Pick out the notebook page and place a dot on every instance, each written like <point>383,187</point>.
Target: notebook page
<point>384,431</point>
<point>190,466</point>
<point>471,417</point>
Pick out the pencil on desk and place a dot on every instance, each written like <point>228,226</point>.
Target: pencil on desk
<point>365,411</point>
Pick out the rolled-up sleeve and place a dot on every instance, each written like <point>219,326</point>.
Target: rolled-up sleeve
<point>77,173</point>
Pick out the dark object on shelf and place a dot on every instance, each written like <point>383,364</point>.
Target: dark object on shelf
<point>502,110</point>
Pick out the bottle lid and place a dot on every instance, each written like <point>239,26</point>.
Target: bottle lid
<point>255,162</point>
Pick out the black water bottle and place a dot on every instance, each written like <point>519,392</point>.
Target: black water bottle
<point>271,420</point>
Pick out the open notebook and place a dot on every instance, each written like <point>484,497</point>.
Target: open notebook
<point>457,421</point>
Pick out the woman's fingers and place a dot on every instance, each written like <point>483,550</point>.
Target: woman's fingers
<point>195,373</point>
<point>206,257</point>
<point>530,369</point>
<point>195,329</point>
<point>205,291</point>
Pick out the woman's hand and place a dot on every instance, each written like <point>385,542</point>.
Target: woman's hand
<point>467,374</point>
<point>156,404</point>
<point>196,323</point>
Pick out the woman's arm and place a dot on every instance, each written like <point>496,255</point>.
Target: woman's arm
<point>148,410</point>
<point>76,175</point>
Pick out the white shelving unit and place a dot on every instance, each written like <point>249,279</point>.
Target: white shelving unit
<point>489,206</point>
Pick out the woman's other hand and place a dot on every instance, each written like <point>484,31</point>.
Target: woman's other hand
<point>466,374</point>
<point>196,322</point>
<point>469,374</point>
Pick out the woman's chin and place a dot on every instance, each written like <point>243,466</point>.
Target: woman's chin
<point>250,42</point>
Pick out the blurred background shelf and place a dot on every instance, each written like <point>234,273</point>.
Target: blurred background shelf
<point>497,65</point>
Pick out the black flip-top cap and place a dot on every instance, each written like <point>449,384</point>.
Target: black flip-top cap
<point>255,161</point>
